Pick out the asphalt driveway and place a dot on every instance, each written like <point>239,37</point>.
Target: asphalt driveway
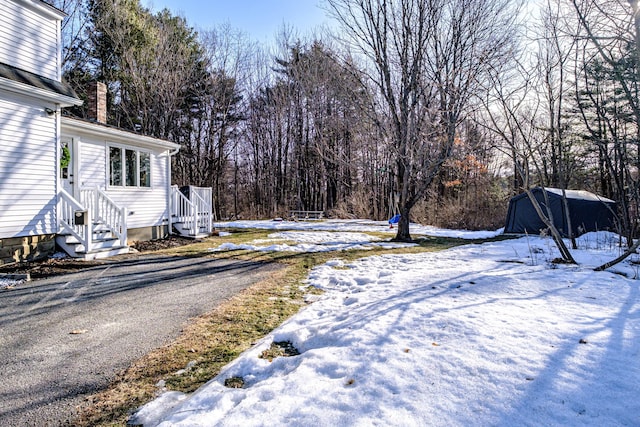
<point>121,310</point>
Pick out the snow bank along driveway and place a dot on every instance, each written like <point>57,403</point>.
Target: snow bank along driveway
<point>478,335</point>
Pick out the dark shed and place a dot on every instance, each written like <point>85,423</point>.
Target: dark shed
<point>589,212</point>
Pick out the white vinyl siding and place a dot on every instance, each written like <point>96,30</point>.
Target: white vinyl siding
<point>28,156</point>
<point>29,39</point>
<point>148,204</point>
<point>91,169</point>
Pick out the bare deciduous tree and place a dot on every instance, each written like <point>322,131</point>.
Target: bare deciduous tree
<point>512,108</point>
<point>603,46</point>
<point>426,59</point>
<point>608,91</point>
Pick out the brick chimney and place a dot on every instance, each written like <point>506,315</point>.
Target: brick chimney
<point>97,102</point>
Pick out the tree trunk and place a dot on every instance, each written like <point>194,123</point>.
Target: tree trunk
<point>403,234</point>
<point>621,258</point>
<point>557,238</point>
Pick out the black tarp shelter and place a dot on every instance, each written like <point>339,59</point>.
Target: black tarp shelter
<point>589,212</point>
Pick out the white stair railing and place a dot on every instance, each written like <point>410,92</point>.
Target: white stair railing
<point>193,210</point>
<point>106,211</point>
<point>184,211</point>
<point>201,197</point>
<point>69,211</point>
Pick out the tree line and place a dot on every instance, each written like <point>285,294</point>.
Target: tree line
<point>436,109</point>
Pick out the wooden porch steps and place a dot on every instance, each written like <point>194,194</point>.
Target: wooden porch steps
<point>185,231</point>
<point>92,227</point>
<point>104,245</point>
<point>192,211</point>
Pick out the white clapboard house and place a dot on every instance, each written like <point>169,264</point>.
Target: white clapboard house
<point>88,188</point>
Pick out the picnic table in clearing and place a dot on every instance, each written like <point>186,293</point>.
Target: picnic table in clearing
<point>297,215</point>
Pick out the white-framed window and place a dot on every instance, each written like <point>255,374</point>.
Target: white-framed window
<point>129,167</point>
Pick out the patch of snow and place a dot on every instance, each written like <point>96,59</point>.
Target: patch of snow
<point>312,241</point>
<point>317,237</point>
<point>491,334</point>
<point>59,255</point>
<point>358,225</point>
<point>153,412</point>
<point>9,283</point>
<point>309,247</point>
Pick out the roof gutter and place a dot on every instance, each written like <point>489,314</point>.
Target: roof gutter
<point>45,8</point>
<point>22,89</point>
<point>100,130</point>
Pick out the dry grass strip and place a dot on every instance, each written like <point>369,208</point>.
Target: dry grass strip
<point>211,341</point>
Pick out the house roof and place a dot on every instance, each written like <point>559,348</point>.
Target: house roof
<point>114,134</point>
<point>52,7</point>
<point>18,80</point>
<point>31,79</point>
<point>44,7</point>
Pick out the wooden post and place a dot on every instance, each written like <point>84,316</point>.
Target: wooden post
<point>88,230</point>
<point>123,225</point>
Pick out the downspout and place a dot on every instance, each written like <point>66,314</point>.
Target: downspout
<point>170,154</point>
<point>58,179</point>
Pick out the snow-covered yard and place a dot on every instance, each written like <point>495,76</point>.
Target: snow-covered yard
<point>357,225</point>
<point>490,334</point>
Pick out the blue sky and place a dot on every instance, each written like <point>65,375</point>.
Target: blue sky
<point>261,19</point>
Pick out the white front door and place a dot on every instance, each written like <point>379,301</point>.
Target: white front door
<point>67,166</point>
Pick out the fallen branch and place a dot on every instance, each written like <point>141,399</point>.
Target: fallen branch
<point>622,257</point>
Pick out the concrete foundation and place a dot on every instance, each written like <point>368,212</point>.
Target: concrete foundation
<point>27,248</point>
<point>147,233</point>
